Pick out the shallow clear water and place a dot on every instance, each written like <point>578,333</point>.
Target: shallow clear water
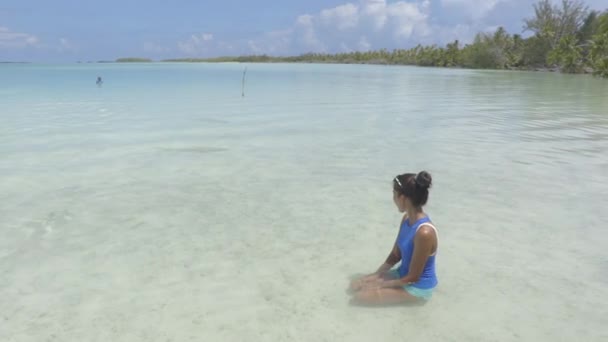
<point>164,206</point>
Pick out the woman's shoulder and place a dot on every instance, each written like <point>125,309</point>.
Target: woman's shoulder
<point>427,228</point>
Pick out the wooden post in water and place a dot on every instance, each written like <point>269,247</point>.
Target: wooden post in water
<point>243,87</point>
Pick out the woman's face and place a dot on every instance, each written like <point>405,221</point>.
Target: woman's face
<point>399,200</point>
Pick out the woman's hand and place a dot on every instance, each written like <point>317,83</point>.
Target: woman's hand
<point>381,284</point>
<point>374,284</point>
<point>363,282</point>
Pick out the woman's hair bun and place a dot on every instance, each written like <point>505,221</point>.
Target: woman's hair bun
<point>424,180</point>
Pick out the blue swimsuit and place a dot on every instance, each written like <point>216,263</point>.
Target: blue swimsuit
<point>423,288</point>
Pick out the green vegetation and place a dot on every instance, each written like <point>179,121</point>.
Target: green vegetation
<point>133,60</point>
<point>251,59</point>
<point>565,37</point>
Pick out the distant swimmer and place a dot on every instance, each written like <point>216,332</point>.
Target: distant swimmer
<point>99,81</point>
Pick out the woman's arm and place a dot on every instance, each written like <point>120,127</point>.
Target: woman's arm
<point>394,256</point>
<point>390,261</point>
<point>423,246</point>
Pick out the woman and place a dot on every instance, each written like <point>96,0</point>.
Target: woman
<point>415,247</point>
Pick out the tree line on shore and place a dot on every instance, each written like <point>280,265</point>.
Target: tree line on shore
<point>567,37</point>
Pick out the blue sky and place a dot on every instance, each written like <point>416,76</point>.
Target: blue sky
<point>84,30</point>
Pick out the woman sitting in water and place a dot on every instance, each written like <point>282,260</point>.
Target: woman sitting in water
<point>415,247</point>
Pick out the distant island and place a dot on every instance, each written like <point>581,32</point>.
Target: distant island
<point>133,60</point>
<point>566,37</point>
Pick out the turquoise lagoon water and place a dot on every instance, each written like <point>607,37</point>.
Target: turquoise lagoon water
<point>163,206</point>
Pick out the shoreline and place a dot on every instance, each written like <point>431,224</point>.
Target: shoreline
<point>301,59</point>
<point>585,71</point>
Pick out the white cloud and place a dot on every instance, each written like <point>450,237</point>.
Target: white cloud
<point>279,41</point>
<point>351,25</point>
<point>343,17</point>
<point>253,46</point>
<point>227,47</point>
<point>271,43</point>
<point>305,35</point>
<point>10,39</point>
<point>154,48</point>
<point>375,10</point>
<point>196,44</point>
<point>355,25</point>
<point>363,44</point>
<point>476,9</point>
<point>399,19</point>
<point>367,24</point>
<point>65,45</point>
<point>345,48</point>
<point>305,19</point>
<point>409,18</point>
